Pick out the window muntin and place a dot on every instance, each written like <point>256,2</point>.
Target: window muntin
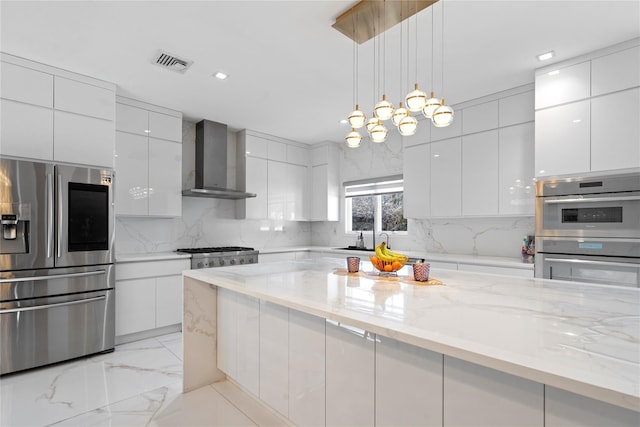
<point>378,202</point>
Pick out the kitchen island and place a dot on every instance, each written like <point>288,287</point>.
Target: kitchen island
<point>319,345</point>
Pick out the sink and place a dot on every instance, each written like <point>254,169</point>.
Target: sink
<point>355,248</point>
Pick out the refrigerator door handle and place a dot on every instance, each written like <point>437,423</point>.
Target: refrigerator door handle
<point>59,212</point>
<point>53,276</point>
<point>60,304</point>
<point>50,219</point>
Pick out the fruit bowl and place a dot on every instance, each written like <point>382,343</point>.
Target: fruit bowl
<point>386,267</point>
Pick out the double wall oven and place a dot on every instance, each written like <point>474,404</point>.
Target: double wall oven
<point>57,276</point>
<point>588,229</point>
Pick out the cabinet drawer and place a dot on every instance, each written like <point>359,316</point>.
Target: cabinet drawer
<point>135,270</point>
<point>26,85</point>
<point>165,126</point>
<point>83,98</point>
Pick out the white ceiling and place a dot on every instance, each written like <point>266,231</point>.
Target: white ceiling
<point>290,72</point>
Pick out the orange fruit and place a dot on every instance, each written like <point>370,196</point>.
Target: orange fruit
<point>388,267</point>
<point>396,265</point>
<point>374,260</point>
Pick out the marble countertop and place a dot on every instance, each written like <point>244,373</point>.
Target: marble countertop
<point>515,262</point>
<point>152,256</point>
<point>578,337</point>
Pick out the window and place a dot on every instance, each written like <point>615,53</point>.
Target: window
<point>375,205</point>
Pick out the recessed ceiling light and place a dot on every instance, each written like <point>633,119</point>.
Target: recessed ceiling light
<point>220,75</point>
<point>546,55</point>
<point>554,72</point>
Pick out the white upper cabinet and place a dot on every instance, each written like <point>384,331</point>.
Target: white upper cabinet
<point>277,151</point>
<point>148,169</point>
<point>480,117</point>
<point>26,85</point>
<point>618,71</point>
<point>417,191</point>
<point>615,131</point>
<point>81,98</point>
<point>325,183</point>
<point>562,139</point>
<point>446,178</point>
<point>480,173</point>
<point>297,155</point>
<point>74,114</point>
<point>561,85</point>
<point>256,182</point>
<point>516,191</point>
<point>277,188</point>
<point>297,193</point>
<point>516,109</point>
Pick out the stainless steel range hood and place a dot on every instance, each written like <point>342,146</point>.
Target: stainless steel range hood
<point>211,164</point>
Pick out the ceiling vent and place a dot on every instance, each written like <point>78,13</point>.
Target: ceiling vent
<point>171,62</point>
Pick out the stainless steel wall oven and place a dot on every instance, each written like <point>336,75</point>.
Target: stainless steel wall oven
<point>588,229</point>
<point>57,278</point>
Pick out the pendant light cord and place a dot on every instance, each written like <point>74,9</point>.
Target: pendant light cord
<point>442,53</point>
<point>416,44</point>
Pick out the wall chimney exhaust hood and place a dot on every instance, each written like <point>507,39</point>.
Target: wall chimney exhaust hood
<point>211,164</point>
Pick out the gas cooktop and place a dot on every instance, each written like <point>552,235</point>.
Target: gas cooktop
<point>217,249</point>
<point>220,256</point>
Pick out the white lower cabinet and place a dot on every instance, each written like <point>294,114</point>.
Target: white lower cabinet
<point>274,356</point>
<point>475,396</point>
<point>408,385</point>
<point>148,295</point>
<point>227,329</point>
<point>350,376</point>
<point>306,369</point>
<point>566,409</point>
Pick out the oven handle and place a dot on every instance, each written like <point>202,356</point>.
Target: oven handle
<point>584,261</point>
<point>54,276</point>
<point>60,304</point>
<point>59,208</point>
<point>592,200</point>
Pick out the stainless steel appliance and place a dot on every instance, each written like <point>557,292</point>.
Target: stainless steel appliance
<point>588,229</point>
<point>220,256</point>
<point>57,278</point>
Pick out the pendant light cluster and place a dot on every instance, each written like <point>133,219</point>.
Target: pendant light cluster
<point>416,101</point>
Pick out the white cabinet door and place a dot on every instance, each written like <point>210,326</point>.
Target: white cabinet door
<point>19,133</point>
<point>165,178</point>
<point>82,139</point>
<point>563,139</point>
<point>297,193</point>
<point>566,409</point>
<point>475,395</point>
<point>350,376</point>
<point>306,369</point>
<point>276,151</point>
<point>618,71</point>
<point>297,155</point>
<point>480,117</point>
<point>319,187</point>
<point>277,189</point>
<point>417,191</point>
<point>274,356</point>
<point>248,343</point>
<point>135,306</point>
<point>164,126</point>
<point>615,132</point>
<point>516,109</point>
<point>132,175</point>
<point>480,173</point>
<point>26,85</point>
<point>516,192</point>
<point>408,385</point>
<point>562,85</point>
<point>227,332</point>
<point>132,119</point>
<point>256,207</point>
<point>446,178</point>
<point>168,300</point>
<point>82,98</point>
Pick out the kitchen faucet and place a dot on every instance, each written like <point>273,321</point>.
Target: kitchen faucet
<point>387,239</point>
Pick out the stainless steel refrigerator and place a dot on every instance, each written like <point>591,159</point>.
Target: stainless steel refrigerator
<point>57,273</point>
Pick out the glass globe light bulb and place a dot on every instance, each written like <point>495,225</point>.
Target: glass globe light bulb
<point>408,125</point>
<point>442,116</point>
<point>416,99</point>
<point>356,118</point>
<point>399,114</point>
<point>378,134</point>
<point>353,139</point>
<point>430,106</point>
<point>372,122</point>
<point>383,109</point>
